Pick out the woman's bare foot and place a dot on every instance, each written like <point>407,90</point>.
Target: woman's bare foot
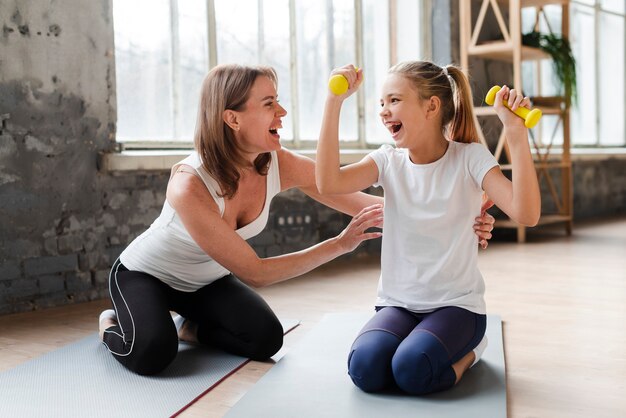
<point>107,319</point>
<point>187,330</point>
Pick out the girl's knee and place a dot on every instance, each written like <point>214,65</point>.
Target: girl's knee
<point>369,362</point>
<point>413,374</point>
<point>366,372</point>
<point>422,365</point>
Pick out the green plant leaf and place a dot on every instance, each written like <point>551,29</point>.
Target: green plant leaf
<point>563,60</point>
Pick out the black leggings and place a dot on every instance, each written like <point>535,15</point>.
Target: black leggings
<point>229,314</point>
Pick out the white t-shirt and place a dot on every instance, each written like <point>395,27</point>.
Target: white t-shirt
<point>167,251</point>
<point>429,249</point>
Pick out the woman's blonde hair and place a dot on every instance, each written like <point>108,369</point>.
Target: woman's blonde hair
<point>226,87</point>
<point>457,120</point>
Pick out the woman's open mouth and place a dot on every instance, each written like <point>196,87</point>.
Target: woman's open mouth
<point>274,132</point>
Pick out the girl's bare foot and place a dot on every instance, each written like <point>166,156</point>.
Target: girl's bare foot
<point>107,319</point>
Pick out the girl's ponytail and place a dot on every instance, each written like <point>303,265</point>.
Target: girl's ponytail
<point>461,128</point>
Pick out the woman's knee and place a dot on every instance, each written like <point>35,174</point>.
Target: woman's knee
<point>153,354</point>
<point>265,340</point>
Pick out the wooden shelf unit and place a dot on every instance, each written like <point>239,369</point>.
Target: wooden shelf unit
<point>510,49</point>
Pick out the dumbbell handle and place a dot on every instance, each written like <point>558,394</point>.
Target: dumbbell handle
<point>530,116</point>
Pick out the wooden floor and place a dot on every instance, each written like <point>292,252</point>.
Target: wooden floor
<point>562,301</point>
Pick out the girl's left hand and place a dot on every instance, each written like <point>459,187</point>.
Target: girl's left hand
<point>515,99</point>
<point>484,224</point>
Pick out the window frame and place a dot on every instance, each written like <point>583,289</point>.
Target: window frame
<point>297,143</point>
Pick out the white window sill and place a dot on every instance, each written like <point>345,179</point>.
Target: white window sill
<point>163,160</point>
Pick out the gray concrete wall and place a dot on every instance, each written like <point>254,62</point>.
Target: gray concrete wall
<point>63,222</point>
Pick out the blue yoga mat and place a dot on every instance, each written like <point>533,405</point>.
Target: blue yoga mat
<point>312,381</point>
<point>84,380</point>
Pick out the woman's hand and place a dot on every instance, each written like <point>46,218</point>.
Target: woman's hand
<point>354,234</point>
<point>484,224</point>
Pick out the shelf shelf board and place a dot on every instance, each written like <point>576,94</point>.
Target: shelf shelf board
<point>543,220</point>
<point>503,51</point>
<point>537,3</point>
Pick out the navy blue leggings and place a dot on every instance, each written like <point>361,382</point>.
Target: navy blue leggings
<point>414,352</point>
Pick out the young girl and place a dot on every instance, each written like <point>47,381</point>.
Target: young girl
<point>430,317</point>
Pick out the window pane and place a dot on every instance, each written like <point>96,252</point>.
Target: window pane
<point>237,31</point>
<point>409,30</point>
<point>244,39</point>
<point>611,79</point>
<point>276,53</point>
<point>344,46</point>
<point>193,62</point>
<point>617,6</point>
<point>376,63</point>
<point>143,69</point>
<point>583,115</point>
<point>325,36</point>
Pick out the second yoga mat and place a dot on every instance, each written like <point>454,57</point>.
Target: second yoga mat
<point>312,381</point>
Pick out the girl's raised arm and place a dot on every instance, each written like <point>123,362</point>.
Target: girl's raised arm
<point>329,176</point>
<point>520,198</point>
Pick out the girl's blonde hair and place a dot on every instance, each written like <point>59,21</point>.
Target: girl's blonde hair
<point>452,87</point>
<point>226,87</point>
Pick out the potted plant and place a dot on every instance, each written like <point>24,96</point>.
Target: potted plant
<point>563,60</point>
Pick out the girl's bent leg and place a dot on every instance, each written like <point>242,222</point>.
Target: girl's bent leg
<point>423,362</point>
<point>369,362</point>
<point>145,339</point>
<point>233,317</point>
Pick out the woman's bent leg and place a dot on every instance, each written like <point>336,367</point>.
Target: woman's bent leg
<point>145,339</point>
<point>369,362</point>
<point>233,317</point>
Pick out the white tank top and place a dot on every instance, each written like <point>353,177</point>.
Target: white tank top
<point>167,251</point>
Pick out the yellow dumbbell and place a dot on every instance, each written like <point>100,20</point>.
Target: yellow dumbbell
<point>530,116</point>
<point>338,84</point>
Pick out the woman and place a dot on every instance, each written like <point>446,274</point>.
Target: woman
<point>194,259</point>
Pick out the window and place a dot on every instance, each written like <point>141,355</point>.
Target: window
<point>597,28</point>
<point>597,41</point>
<point>162,58</point>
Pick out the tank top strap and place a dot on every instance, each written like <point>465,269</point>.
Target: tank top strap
<point>273,177</point>
<point>194,161</point>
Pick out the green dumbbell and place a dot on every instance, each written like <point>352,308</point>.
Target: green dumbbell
<point>530,116</point>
